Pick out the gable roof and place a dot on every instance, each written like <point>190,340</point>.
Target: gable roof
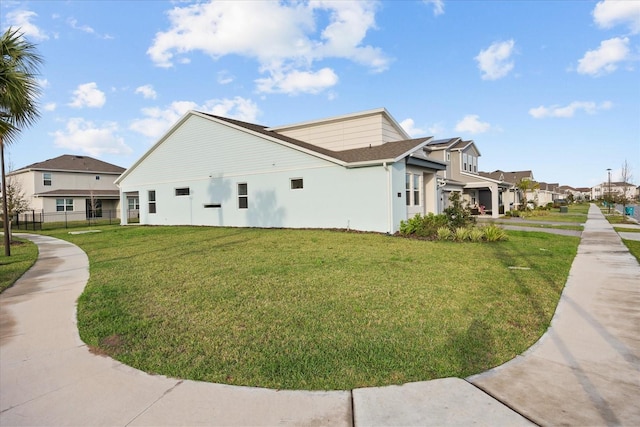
<point>72,163</point>
<point>388,151</point>
<point>511,177</point>
<point>452,144</point>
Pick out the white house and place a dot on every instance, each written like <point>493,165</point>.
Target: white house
<point>359,171</point>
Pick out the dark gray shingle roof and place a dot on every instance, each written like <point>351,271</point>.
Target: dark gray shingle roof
<point>73,163</point>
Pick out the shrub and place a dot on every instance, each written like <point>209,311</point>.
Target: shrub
<point>493,233</point>
<point>458,215</point>
<point>460,234</point>
<point>476,234</point>
<point>444,233</point>
<point>423,226</point>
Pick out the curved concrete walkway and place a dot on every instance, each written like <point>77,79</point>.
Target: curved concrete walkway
<point>585,370</point>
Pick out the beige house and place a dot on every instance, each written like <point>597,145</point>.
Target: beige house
<point>77,187</point>
<point>482,194</point>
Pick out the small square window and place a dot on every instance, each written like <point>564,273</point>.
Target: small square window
<point>296,183</point>
<point>152,201</point>
<point>182,191</point>
<point>97,177</point>
<point>46,179</point>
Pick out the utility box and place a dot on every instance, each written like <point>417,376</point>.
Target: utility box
<point>629,210</point>
<point>564,209</point>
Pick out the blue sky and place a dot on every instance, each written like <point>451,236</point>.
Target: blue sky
<point>548,86</point>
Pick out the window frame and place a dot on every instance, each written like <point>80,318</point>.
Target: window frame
<point>47,179</point>
<point>65,204</point>
<point>295,180</point>
<point>182,191</point>
<point>242,189</point>
<point>151,195</point>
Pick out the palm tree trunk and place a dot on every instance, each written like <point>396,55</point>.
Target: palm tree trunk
<point>5,211</point>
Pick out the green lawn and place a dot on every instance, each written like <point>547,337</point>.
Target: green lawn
<point>314,309</point>
<point>634,247</point>
<point>23,256</point>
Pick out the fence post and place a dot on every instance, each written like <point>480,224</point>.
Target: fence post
<point>65,218</point>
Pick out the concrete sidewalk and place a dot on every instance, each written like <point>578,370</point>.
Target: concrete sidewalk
<point>585,370</point>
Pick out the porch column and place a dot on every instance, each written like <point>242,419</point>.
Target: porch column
<point>123,209</point>
<point>495,201</point>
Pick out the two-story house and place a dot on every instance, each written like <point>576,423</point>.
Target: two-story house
<point>481,193</point>
<point>613,190</point>
<point>79,186</point>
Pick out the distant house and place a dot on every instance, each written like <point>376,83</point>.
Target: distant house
<point>79,185</point>
<point>358,171</point>
<point>615,189</point>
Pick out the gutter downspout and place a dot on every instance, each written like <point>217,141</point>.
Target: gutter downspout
<point>389,204</point>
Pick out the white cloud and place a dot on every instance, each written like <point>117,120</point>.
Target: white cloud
<point>494,62</point>
<point>570,110</point>
<point>609,13</point>
<point>73,23</point>
<point>224,77</point>
<point>438,6</point>
<point>22,19</point>
<point>147,91</point>
<point>604,59</point>
<point>51,106</point>
<point>157,121</point>
<point>84,136</point>
<point>472,124</point>
<point>410,127</point>
<point>295,82</point>
<point>285,46</point>
<point>88,95</point>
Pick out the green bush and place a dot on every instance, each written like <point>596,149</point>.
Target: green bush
<point>423,225</point>
<point>460,234</point>
<point>457,214</point>
<point>444,233</point>
<point>476,234</point>
<point>493,233</point>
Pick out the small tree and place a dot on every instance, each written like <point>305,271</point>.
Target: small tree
<point>626,176</point>
<point>16,202</point>
<point>526,185</point>
<point>457,214</point>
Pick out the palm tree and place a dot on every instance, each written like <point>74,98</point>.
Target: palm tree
<point>19,90</point>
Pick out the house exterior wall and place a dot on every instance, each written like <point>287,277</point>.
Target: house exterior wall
<point>347,133</point>
<point>211,159</point>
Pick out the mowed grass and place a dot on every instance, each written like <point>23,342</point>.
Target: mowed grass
<point>23,256</point>
<point>315,309</point>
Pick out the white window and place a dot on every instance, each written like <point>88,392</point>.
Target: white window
<point>243,196</point>
<point>475,164</point>
<point>448,156</point>
<point>413,189</point>
<point>63,205</point>
<point>46,178</point>
<point>464,161</point>
<point>134,203</point>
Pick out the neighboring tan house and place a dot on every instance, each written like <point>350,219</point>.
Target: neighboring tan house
<point>548,193</point>
<point>79,186</point>
<point>601,191</point>
<point>482,194</point>
<point>359,171</point>
<point>513,197</point>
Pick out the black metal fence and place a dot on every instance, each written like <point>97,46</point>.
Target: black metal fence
<point>40,220</point>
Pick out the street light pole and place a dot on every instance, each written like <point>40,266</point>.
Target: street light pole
<point>609,204</point>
